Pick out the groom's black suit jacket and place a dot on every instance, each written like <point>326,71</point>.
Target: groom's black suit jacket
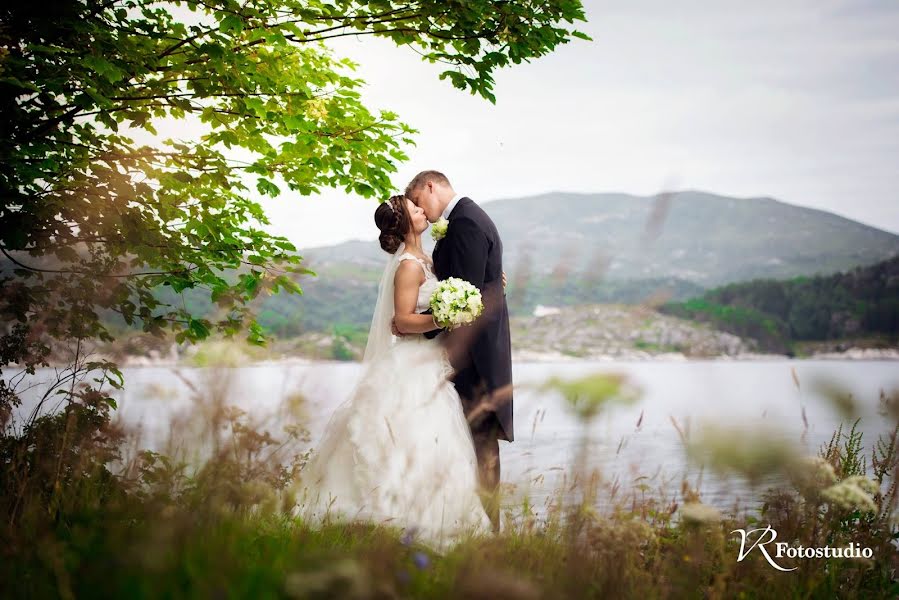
<point>472,250</point>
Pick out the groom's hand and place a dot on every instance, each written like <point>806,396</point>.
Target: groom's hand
<point>434,332</point>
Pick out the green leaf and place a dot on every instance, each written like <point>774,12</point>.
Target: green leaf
<point>250,284</point>
<point>25,85</point>
<point>256,335</point>
<point>256,105</point>
<point>285,245</point>
<point>231,24</point>
<point>267,188</point>
<point>103,67</point>
<point>198,329</point>
<point>97,97</point>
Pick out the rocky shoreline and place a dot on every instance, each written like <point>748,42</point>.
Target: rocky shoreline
<point>589,333</point>
<point>616,332</point>
<point>530,356</point>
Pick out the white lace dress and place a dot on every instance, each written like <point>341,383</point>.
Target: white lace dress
<point>399,450</point>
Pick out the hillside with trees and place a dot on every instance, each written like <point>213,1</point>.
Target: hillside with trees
<point>785,315</point>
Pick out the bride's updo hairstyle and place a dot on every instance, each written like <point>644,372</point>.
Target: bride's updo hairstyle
<point>392,218</point>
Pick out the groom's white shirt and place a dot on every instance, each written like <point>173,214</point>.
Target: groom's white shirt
<point>449,207</point>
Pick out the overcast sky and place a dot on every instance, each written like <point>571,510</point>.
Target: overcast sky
<point>794,100</point>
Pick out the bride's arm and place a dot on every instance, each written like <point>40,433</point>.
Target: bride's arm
<point>406,282</point>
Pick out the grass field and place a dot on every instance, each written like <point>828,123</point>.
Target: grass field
<point>88,513</point>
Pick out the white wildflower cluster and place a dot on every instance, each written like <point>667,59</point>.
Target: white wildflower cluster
<point>865,483</point>
<point>853,492</point>
<point>812,474</point>
<point>438,229</point>
<point>456,302</point>
<point>699,513</point>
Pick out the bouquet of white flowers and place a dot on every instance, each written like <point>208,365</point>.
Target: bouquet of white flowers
<point>455,302</point>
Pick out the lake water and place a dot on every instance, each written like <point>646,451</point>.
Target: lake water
<point>743,394</point>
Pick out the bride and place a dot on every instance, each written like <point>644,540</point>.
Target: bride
<point>399,451</point>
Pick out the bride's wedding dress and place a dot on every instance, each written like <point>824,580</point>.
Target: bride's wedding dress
<point>399,451</point>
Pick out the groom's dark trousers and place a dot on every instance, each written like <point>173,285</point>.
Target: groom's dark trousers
<point>481,353</point>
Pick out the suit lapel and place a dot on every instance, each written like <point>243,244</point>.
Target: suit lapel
<point>436,253</point>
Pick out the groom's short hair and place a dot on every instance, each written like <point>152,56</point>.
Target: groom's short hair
<point>424,177</point>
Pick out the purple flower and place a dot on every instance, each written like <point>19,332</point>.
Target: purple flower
<point>421,560</point>
<point>409,536</point>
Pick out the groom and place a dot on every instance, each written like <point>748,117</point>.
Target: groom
<point>481,353</point>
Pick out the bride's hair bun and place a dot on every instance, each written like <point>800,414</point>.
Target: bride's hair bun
<point>393,219</point>
<point>390,242</point>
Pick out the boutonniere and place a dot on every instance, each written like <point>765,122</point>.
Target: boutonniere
<point>438,229</point>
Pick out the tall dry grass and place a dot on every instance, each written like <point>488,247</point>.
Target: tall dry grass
<point>89,512</point>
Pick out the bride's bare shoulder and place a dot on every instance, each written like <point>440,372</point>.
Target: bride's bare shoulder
<point>408,272</point>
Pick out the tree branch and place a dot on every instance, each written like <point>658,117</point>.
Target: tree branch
<point>92,273</point>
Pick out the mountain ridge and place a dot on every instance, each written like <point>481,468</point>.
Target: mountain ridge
<point>636,232</point>
<point>580,248</point>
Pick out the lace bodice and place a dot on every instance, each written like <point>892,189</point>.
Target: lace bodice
<point>427,288</point>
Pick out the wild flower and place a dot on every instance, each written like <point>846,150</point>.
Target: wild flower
<point>588,395</point>
<point>753,453</point>
<point>346,575</point>
<point>699,513</point>
<point>811,474</point>
<point>865,483</point>
<point>852,492</point>
<point>408,536</point>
